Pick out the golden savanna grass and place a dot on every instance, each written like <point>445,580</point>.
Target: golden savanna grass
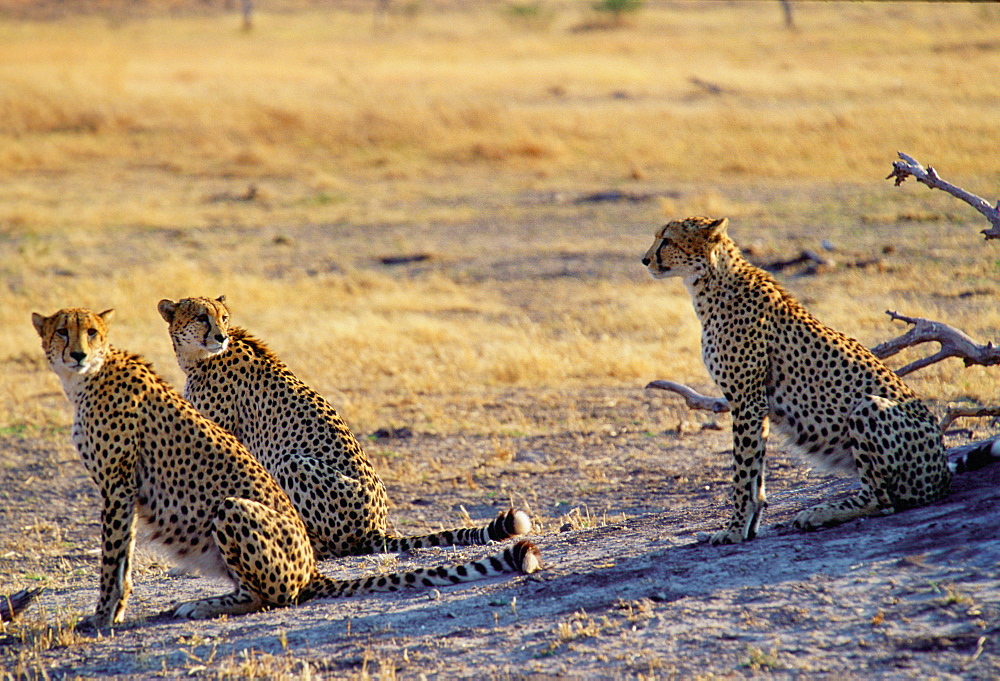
<point>350,117</point>
<point>128,148</point>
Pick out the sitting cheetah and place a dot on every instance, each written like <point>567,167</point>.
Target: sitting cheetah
<point>203,498</point>
<point>235,380</point>
<point>837,403</point>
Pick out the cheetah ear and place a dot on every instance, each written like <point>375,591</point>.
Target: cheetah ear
<point>717,229</point>
<point>39,322</point>
<point>107,316</point>
<point>221,299</point>
<point>167,308</point>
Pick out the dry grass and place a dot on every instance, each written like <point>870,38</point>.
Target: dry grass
<point>343,119</point>
<point>423,137</point>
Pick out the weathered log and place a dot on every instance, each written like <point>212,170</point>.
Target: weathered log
<point>13,605</point>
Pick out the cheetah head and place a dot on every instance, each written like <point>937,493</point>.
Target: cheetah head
<point>199,327</point>
<point>685,248</point>
<point>75,340</point>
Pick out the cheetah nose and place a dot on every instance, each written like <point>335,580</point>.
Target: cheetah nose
<point>78,356</point>
<point>645,261</point>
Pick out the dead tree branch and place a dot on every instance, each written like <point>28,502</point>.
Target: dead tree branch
<point>909,166</point>
<point>954,413</point>
<point>954,343</point>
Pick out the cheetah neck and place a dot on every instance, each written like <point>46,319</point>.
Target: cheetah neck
<point>724,275</point>
<point>191,359</point>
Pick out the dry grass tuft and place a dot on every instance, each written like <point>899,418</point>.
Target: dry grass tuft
<point>251,664</point>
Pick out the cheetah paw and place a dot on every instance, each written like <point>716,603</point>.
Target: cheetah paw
<point>813,518</point>
<point>728,536</point>
<point>188,610</point>
<point>94,623</point>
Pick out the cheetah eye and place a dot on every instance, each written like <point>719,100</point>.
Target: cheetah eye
<point>203,318</point>
<point>225,320</point>
<point>62,333</point>
<point>91,332</point>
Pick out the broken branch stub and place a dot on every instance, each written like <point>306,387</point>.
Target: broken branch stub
<point>955,413</point>
<point>693,398</point>
<point>910,167</point>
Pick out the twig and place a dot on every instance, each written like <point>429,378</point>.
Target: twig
<point>12,605</point>
<point>807,256</point>
<point>954,343</point>
<point>909,166</point>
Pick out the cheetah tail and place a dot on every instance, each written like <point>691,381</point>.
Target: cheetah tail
<point>507,524</point>
<point>980,455</point>
<point>522,557</point>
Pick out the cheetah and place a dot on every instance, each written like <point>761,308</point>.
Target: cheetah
<point>237,381</point>
<point>201,497</point>
<point>776,363</point>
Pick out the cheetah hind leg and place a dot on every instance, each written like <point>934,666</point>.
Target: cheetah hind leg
<point>267,555</point>
<point>875,424</point>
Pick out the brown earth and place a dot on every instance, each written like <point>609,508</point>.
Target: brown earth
<point>627,590</point>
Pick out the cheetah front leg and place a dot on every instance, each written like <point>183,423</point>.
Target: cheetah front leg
<point>750,431</point>
<point>267,555</point>
<point>117,544</point>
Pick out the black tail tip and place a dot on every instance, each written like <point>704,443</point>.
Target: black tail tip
<point>527,557</point>
<point>982,456</point>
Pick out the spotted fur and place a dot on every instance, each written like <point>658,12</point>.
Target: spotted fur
<point>776,363</point>
<point>203,499</point>
<point>237,381</point>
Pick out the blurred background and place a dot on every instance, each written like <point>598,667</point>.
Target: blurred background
<point>421,203</point>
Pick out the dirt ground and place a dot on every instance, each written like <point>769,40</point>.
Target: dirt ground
<point>915,595</point>
<point>627,590</point>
